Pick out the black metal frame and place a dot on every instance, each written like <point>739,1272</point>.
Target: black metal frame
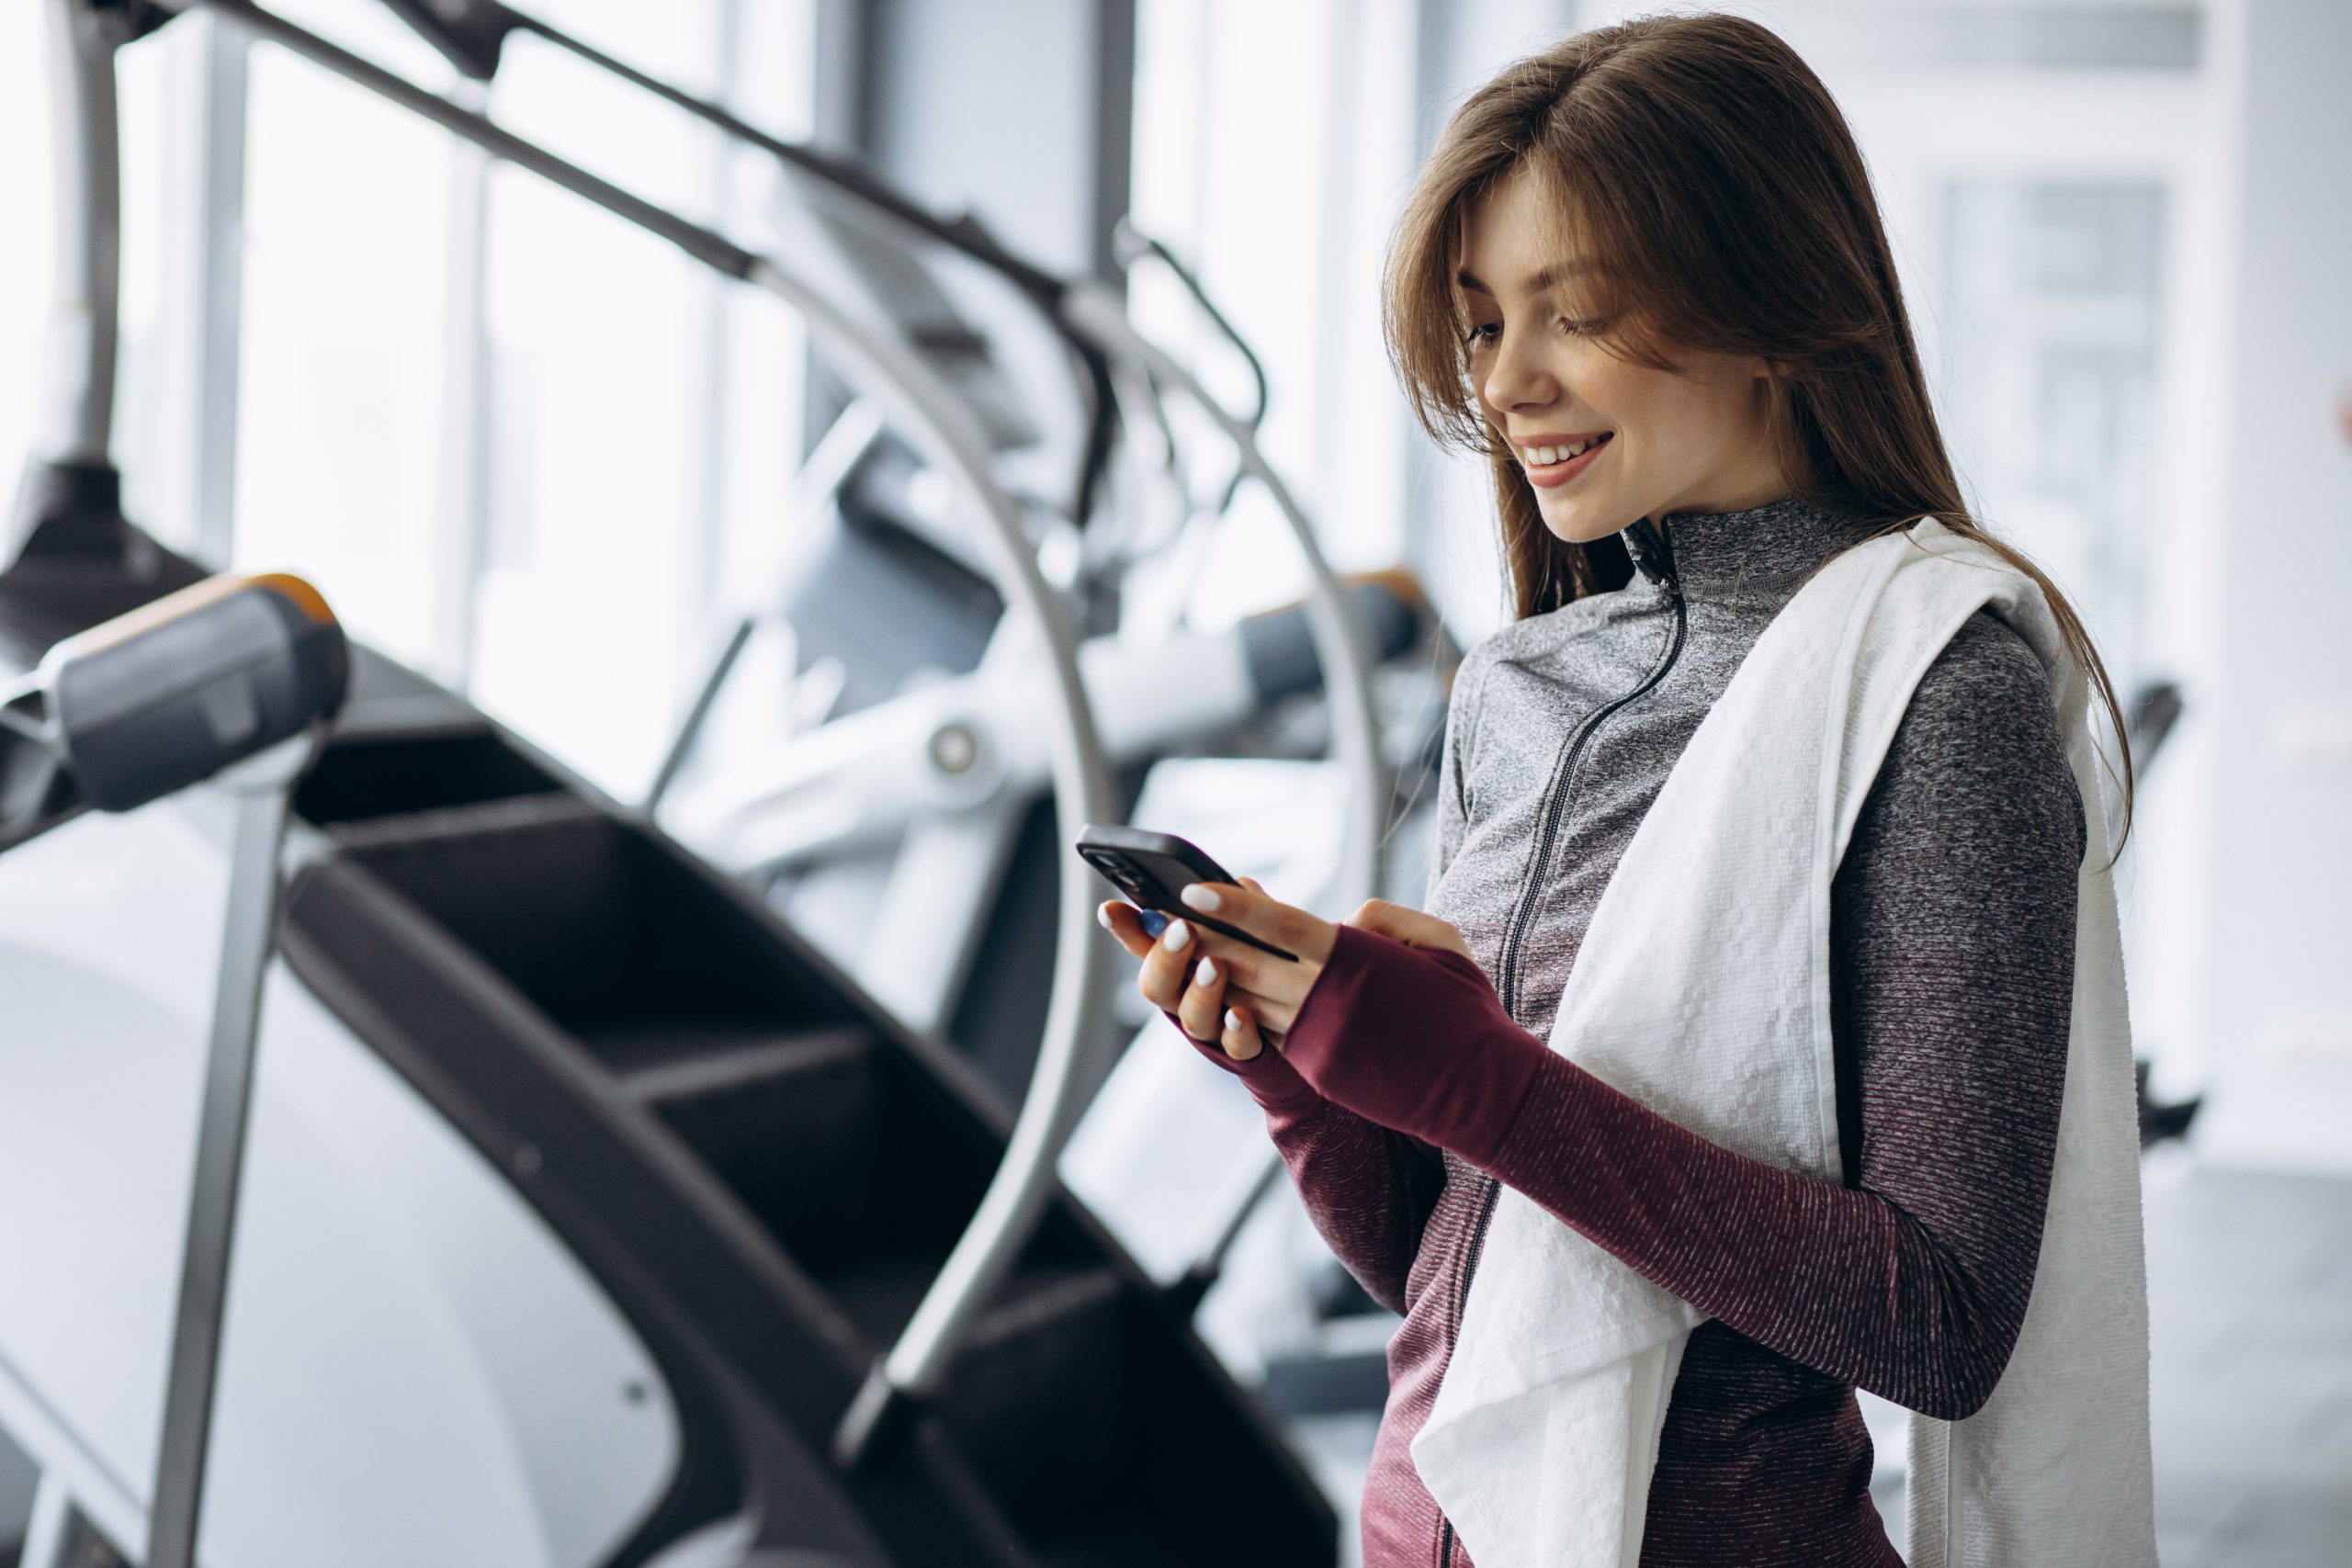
<point>247,938</point>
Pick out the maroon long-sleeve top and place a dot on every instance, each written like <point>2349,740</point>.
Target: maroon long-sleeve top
<point>1407,1084</point>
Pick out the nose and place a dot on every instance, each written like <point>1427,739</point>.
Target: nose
<point>1517,379</point>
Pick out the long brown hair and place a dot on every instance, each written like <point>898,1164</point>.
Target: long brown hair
<point>1707,170</point>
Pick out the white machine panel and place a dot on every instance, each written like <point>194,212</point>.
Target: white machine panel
<point>413,1368</point>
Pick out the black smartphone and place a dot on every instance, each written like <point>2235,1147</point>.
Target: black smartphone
<point>1150,869</point>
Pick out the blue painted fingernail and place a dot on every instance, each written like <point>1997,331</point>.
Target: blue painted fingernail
<point>1201,896</point>
<point>1152,921</point>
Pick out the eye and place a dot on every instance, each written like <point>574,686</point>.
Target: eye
<point>1484,334</point>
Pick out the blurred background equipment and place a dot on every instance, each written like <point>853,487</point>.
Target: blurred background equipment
<point>781,464</point>
<point>693,1025</point>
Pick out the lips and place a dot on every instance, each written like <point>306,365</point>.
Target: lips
<point>1561,469</point>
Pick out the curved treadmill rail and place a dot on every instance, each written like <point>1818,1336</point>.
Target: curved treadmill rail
<point>942,431</point>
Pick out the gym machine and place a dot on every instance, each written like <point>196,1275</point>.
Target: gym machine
<point>846,1314</point>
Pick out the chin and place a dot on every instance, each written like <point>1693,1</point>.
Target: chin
<point>1581,525</point>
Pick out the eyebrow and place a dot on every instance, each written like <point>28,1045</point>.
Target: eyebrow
<point>1536,282</point>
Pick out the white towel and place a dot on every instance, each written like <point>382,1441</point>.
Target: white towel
<point>1701,990</point>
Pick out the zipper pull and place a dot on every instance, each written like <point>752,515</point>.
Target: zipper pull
<point>1652,556</point>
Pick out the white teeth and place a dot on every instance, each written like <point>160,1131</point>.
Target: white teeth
<point>1544,456</point>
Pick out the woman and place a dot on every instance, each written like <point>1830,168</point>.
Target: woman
<point>1643,273</point>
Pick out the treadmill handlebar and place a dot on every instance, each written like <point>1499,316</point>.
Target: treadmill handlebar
<point>471,34</point>
<point>168,695</point>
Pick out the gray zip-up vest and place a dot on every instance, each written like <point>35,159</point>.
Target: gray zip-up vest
<point>1572,720</point>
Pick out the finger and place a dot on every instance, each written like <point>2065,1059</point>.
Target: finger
<point>1204,1001</point>
<point>1398,920</point>
<point>1269,919</point>
<point>1272,1019</point>
<point>1252,883</point>
<point>1253,969</point>
<point>1240,1037</point>
<point>1121,921</point>
<point>1414,928</point>
<point>1166,967</point>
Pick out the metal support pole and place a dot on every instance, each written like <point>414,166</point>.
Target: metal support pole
<point>261,787</point>
<point>706,582</point>
<point>467,410</point>
<point>89,233</point>
<point>218,279</point>
<point>49,1533</point>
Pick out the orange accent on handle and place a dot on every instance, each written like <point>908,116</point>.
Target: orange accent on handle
<point>148,616</point>
<point>194,597</point>
<point>304,597</point>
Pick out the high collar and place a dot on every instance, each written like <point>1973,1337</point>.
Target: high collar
<point>1758,553</point>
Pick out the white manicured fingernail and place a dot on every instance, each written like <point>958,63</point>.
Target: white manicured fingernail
<point>1232,1019</point>
<point>1102,915</point>
<point>1177,934</point>
<point>1206,974</point>
<point>1201,896</point>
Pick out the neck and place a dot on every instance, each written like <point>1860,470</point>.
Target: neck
<point>1761,551</point>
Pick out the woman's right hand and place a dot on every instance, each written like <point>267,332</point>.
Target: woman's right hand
<point>1172,979</point>
<point>1208,992</point>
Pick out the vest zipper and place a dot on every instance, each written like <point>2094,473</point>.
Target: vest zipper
<point>1563,769</point>
<point>1655,557</point>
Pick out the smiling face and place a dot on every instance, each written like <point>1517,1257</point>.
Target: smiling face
<point>1659,442</point>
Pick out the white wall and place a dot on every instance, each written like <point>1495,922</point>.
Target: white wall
<point>2278,809</point>
<point>1272,145</point>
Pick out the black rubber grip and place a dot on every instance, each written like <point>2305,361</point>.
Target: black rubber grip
<point>173,693</point>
